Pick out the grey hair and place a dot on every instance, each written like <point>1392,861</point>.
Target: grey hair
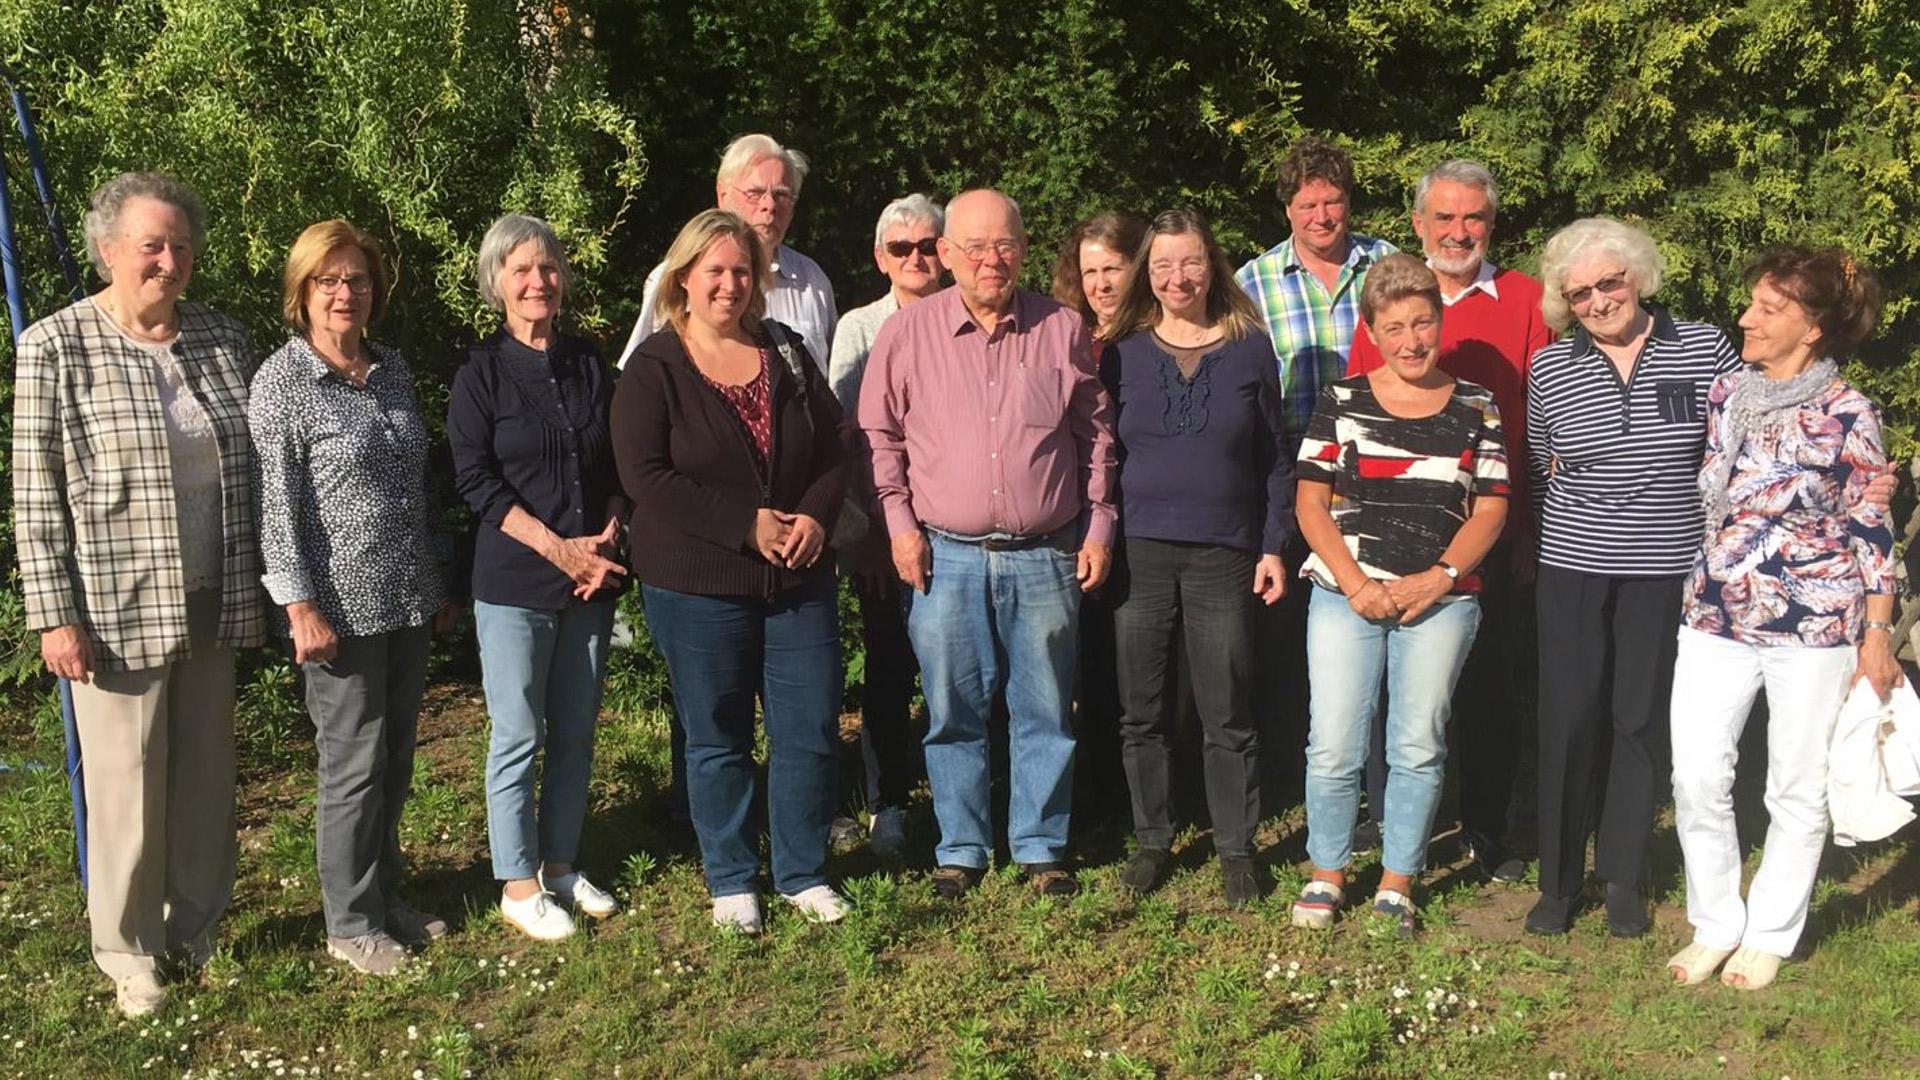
<point>910,208</point>
<point>1460,171</point>
<point>747,151</point>
<point>1585,238</point>
<point>102,222</point>
<point>503,236</point>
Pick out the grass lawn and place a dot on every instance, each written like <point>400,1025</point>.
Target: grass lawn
<point>1001,985</point>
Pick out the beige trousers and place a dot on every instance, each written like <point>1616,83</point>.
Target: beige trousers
<point>157,750</point>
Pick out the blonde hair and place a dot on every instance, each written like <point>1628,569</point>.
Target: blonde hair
<point>688,248</point>
<point>310,252</point>
<point>1632,248</point>
<point>1395,278</point>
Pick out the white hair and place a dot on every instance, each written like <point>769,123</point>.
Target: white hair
<point>747,151</point>
<point>1460,171</point>
<point>907,209</point>
<point>102,222</point>
<point>1631,247</point>
<point>505,235</point>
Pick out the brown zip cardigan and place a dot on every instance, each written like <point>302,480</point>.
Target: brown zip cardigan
<point>684,461</point>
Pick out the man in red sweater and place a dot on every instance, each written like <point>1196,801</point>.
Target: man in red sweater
<point>1488,335</point>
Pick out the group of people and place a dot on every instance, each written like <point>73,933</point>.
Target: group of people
<point>1391,452</point>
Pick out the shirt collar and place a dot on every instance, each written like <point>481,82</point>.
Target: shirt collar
<point>1482,282</point>
<point>1664,329</point>
<point>960,320</point>
<point>1356,255</point>
<point>782,265</point>
<point>319,369</point>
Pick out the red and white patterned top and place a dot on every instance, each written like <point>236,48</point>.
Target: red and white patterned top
<point>750,406</point>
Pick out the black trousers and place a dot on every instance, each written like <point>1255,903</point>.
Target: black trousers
<point>1204,594</point>
<point>1607,648</point>
<point>886,698</point>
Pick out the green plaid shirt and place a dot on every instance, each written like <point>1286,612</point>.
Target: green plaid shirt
<point>1312,331</point>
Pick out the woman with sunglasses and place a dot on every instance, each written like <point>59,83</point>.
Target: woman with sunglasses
<point>906,249</point>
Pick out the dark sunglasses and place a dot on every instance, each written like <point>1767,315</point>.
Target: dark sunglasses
<point>900,249</point>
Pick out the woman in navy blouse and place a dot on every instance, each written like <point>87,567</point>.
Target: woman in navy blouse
<point>1208,506</point>
<point>528,428</point>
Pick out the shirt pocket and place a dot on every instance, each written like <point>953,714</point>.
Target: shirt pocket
<point>1039,398</point>
<point>1678,401</point>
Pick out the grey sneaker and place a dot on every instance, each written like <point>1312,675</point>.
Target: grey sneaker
<point>374,953</point>
<point>138,994</point>
<point>413,927</point>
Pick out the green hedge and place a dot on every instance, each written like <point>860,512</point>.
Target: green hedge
<point>1721,127</point>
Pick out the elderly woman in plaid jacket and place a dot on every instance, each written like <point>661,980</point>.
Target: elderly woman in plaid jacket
<point>134,518</point>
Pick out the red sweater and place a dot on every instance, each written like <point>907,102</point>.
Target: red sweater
<point>1490,342</point>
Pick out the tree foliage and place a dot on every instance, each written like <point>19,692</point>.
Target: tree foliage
<point>1721,127</point>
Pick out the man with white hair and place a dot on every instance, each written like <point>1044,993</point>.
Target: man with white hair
<point>1491,328</point>
<point>906,250</point>
<point>993,460</point>
<point>760,180</point>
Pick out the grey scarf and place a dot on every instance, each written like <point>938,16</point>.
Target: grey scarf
<point>1755,398</point>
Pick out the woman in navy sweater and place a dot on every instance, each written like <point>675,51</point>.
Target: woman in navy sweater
<point>1207,506</point>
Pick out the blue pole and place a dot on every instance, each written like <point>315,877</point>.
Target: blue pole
<point>17,324</point>
<point>43,187</point>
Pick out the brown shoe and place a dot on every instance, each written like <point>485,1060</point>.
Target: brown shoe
<point>1050,879</point>
<point>953,882</point>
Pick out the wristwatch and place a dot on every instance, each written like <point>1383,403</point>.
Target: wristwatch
<point>1447,568</point>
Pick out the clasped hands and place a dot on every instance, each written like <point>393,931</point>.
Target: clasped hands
<point>1403,599</point>
<point>591,562</point>
<point>790,540</point>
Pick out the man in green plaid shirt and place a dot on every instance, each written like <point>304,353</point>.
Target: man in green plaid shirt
<point>1308,286</point>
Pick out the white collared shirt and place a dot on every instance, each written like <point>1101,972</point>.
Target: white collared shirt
<point>1483,282</point>
<point>800,296</point>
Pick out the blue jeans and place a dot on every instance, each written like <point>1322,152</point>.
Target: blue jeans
<point>993,620</point>
<point>1346,656</point>
<point>543,670</point>
<point>722,652</point>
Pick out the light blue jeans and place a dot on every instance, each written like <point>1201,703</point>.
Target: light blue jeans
<point>543,670</point>
<point>1346,657</point>
<point>994,620</point>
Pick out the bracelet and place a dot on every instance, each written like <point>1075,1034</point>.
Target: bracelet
<point>1876,624</point>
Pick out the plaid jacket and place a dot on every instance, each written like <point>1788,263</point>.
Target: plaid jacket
<point>1311,330</point>
<point>95,516</point>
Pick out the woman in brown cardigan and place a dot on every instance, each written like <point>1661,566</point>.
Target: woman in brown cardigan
<point>733,451</point>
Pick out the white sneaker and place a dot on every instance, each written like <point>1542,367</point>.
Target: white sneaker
<point>138,994</point>
<point>740,911</point>
<point>819,904</point>
<point>537,916</point>
<point>583,896</point>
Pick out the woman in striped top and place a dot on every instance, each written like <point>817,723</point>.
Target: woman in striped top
<point>1616,420</point>
<point>1402,491</point>
<point>1792,590</point>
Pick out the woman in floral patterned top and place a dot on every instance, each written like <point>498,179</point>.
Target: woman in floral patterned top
<point>1792,591</point>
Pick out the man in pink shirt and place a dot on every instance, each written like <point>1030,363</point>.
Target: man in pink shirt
<point>1489,332</point>
<point>993,461</point>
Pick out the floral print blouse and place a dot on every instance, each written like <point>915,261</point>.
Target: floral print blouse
<point>1800,548</point>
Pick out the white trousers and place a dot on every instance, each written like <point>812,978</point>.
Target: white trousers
<point>1714,683</point>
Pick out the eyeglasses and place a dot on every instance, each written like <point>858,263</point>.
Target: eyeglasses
<point>1189,268</point>
<point>357,284</point>
<point>977,252</point>
<point>782,197</point>
<point>900,249</point>
<point>1611,285</point>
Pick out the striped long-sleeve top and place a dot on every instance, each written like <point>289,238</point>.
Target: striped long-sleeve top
<point>1614,462</point>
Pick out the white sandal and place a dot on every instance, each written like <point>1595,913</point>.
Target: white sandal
<point>1696,964</point>
<point>1755,967</point>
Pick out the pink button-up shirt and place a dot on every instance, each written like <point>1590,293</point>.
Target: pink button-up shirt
<point>975,433</point>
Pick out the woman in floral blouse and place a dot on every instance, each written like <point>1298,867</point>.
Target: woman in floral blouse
<point>1792,591</point>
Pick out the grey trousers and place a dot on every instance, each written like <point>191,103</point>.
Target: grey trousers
<point>365,703</point>
<point>158,750</point>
